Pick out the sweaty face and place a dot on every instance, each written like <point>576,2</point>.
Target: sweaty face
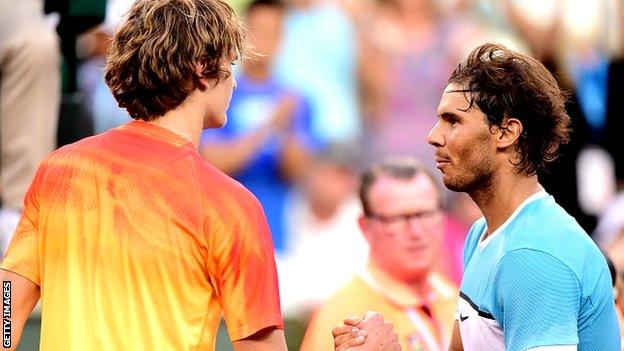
<point>464,145</point>
<point>404,248</point>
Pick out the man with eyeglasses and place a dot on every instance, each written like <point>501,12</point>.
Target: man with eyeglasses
<point>402,221</point>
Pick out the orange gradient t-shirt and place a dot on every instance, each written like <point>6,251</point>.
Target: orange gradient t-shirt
<point>137,243</point>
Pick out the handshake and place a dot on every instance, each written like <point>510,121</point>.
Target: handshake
<point>372,333</point>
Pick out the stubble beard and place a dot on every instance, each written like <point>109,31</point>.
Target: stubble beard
<point>471,181</point>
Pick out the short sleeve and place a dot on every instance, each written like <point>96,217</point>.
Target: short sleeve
<point>22,256</point>
<point>243,265</point>
<point>537,300</point>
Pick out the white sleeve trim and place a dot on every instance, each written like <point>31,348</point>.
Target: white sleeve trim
<point>553,348</point>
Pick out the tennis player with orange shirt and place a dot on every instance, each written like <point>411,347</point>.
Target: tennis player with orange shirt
<point>130,238</point>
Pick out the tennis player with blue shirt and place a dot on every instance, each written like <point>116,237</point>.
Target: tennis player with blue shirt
<point>533,279</point>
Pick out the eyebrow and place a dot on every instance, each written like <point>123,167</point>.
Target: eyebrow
<point>448,115</point>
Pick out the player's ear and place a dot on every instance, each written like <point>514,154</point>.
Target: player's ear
<point>508,133</point>
<point>199,67</point>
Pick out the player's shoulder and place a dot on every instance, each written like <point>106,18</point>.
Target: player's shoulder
<point>222,190</point>
<point>214,179</point>
<point>546,215</point>
<point>545,226</point>
<point>545,234</point>
<point>555,245</point>
<point>66,153</point>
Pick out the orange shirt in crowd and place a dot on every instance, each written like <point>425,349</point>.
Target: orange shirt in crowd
<point>423,324</point>
<point>137,243</point>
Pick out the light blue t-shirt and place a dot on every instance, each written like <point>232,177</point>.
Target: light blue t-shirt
<point>538,280</point>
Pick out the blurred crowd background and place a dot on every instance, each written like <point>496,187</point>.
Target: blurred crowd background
<point>337,84</point>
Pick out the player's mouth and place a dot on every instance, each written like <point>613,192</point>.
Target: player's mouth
<point>441,161</point>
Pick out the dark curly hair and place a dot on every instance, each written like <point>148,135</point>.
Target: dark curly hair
<point>150,67</point>
<point>505,84</point>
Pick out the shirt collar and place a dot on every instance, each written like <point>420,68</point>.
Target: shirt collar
<point>155,131</point>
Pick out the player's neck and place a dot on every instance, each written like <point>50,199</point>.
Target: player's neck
<point>506,193</point>
<point>184,121</point>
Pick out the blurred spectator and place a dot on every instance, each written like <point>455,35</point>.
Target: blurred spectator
<point>619,304</point>
<point>408,48</point>
<point>402,223</point>
<point>323,222</point>
<point>462,213</point>
<point>267,139</point>
<point>92,48</point>
<point>472,25</point>
<point>29,101</point>
<point>609,233</point>
<point>319,57</point>
<point>76,17</point>
<point>615,92</point>
<point>566,179</point>
<point>618,293</point>
<point>409,58</point>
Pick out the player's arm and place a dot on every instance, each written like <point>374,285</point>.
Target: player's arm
<point>539,303</point>
<point>243,273</point>
<point>269,339</point>
<point>456,342</point>
<point>22,295</point>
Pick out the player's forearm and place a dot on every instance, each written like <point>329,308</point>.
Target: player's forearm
<point>19,297</point>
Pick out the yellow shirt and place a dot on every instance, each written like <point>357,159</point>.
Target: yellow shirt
<point>374,290</point>
<point>137,243</point>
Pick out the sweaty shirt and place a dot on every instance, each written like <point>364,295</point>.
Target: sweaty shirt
<point>538,280</point>
<point>137,243</point>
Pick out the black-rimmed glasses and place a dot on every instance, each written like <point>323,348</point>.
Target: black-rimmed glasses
<point>428,219</point>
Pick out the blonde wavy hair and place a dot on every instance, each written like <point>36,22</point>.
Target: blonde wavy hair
<point>150,67</point>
